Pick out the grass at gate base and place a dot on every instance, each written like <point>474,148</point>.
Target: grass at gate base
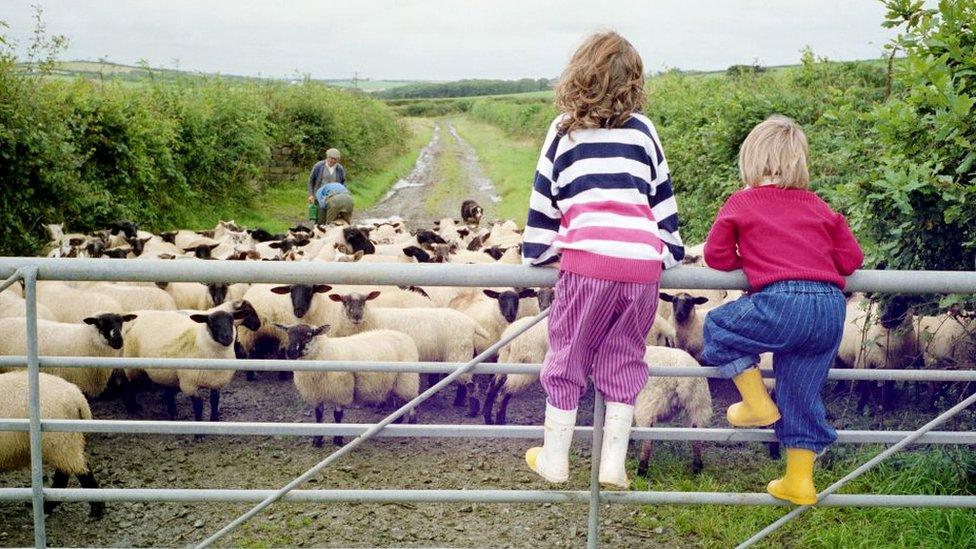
<point>934,470</point>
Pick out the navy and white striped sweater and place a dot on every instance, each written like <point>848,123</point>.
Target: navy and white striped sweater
<point>602,204</point>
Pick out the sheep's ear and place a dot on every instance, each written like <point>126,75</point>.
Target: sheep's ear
<point>372,295</point>
<point>90,320</point>
<point>321,288</point>
<point>463,232</point>
<point>323,329</point>
<point>275,245</point>
<point>212,246</point>
<point>527,292</point>
<point>667,297</point>
<point>335,297</point>
<point>700,300</point>
<point>199,318</point>
<point>166,256</point>
<point>301,241</point>
<point>491,293</point>
<point>281,290</point>
<point>129,318</point>
<point>358,255</point>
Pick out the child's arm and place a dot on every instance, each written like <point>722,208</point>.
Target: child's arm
<point>542,225</point>
<point>848,256</point>
<point>665,210</point>
<point>720,246</point>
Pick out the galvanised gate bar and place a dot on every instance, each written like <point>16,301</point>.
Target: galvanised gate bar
<point>32,269</point>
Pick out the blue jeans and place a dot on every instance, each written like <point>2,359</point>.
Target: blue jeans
<point>801,323</point>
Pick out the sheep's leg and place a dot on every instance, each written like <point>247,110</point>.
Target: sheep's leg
<point>337,414</point>
<point>214,404</point>
<point>473,403</point>
<point>864,390</point>
<point>129,396</point>
<point>97,508</point>
<point>60,480</point>
<point>319,411</point>
<point>249,375</point>
<point>169,398</point>
<point>283,375</point>
<point>696,457</point>
<point>773,449</point>
<point>197,412</point>
<point>490,397</point>
<point>462,395</point>
<point>647,449</point>
<point>503,409</point>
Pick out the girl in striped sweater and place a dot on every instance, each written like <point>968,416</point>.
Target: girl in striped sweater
<point>601,211</point>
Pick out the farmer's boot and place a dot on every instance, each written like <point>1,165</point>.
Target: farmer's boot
<point>616,436</point>
<point>756,408</point>
<point>551,460</point>
<point>796,486</point>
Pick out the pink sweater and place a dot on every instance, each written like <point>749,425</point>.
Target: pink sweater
<point>782,234</point>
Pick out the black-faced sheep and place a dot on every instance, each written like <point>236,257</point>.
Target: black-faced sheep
<point>341,389</point>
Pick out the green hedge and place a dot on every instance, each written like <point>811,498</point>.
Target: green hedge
<point>85,153</point>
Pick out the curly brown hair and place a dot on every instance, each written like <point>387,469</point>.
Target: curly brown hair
<point>602,85</point>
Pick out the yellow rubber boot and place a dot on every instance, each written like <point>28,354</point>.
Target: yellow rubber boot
<point>796,486</point>
<point>756,408</point>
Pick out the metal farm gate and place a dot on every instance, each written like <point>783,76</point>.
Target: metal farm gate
<point>32,269</point>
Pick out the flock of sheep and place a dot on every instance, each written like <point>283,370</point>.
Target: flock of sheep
<point>361,323</point>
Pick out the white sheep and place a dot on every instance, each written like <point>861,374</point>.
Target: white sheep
<point>341,389</point>
<point>441,335</point>
<point>63,452</point>
<point>69,304</point>
<point>528,348</point>
<point>947,341</point>
<point>134,298</point>
<point>172,334</point>
<point>663,398</point>
<point>12,305</point>
<point>879,341</point>
<point>688,321</point>
<point>494,310</point>
<point>97,336</point>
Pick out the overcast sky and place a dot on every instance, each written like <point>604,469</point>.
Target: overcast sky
<point>446,40</point>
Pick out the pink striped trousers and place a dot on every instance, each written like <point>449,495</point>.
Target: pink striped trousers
<point>597,328</point>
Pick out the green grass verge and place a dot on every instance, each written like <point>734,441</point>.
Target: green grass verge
<point>941,471</point>
<point>508,161</point>
<point>284,204</point>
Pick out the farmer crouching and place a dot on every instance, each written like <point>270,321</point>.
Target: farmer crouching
<point>326,186</point>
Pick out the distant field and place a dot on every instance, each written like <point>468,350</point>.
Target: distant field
<point>372,85</point>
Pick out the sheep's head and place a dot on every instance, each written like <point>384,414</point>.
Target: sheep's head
<point>138,244</point>
<point>683,304</point>
<point>202,251</point>
<point>509,301</point>
<point>420,255</point>
<point>248,315</point>
<point>895,312</point>
<point>217,291</point>
<point>299,338</point>
<point>109,326</point>
<point>545,297</point>
<point>354,305</point>
<point>301,296</point>
<point>220,325</point>
<point>442,252</point>
<point>427,237</point>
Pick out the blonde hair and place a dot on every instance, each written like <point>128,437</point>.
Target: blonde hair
<point>602,85</point>
<point>775,152</point>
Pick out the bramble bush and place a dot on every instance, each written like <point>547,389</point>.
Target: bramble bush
<point>161,152</point>
<point>918,201</point>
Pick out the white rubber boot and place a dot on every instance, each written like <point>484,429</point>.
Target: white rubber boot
<point>616,436</point>
<point>551,460</point>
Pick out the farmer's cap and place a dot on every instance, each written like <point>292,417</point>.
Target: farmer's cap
<point>332,153</point>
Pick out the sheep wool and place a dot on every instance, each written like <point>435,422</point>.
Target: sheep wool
<point>64,452</point>
<point>62,339</point>
<point>664,397</point>
<point>71,304</point>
